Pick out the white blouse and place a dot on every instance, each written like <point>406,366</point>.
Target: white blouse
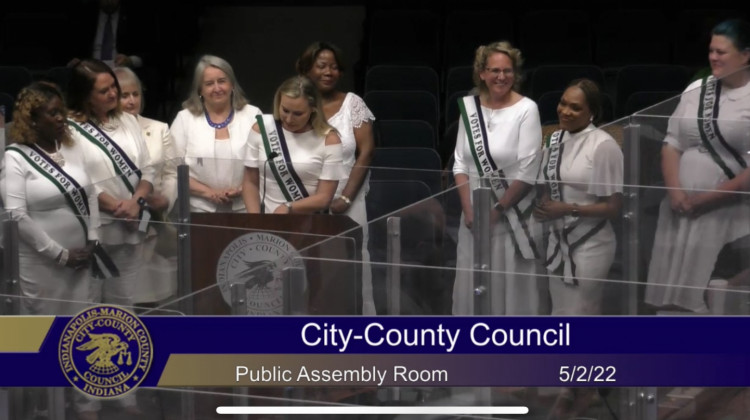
<point>515,134</point>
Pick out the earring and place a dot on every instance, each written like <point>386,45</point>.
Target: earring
<point>591,119</point>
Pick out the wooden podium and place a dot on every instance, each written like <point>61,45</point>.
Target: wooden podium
<point>223,244</point>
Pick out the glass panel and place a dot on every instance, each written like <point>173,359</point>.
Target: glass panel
<point>667,249</point>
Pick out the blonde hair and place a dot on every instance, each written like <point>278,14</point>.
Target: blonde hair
<point>30,100</point>
<point>194,102</point>
<point>298,87</point>
<point>503,47</point>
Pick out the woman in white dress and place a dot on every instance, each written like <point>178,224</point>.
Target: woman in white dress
<point>56,246</point>
<point>704,160</point>
<point>506,125</point>
<point>581,182</point>
<point>158,279</point>
<point>119,168</point>
<point>302,152</point>
<point>323,64</point>
<point>211,134</point>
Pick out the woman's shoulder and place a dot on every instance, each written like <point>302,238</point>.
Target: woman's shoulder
<point>146,122</point>
<point>526,103</point>
<point>604,142</point>
<point>186,115</point>
<point>249,111</point>
<point>356,109</point>
<point>694,85</point>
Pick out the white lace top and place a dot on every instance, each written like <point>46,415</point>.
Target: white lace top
<point>352,114</point>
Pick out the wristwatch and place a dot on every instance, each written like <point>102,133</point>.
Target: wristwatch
<point>142,202</point>
<point>575,212</point>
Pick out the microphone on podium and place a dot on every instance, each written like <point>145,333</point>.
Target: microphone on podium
<point>269,157</point>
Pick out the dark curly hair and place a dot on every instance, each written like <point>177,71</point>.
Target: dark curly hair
<point>29,101</point>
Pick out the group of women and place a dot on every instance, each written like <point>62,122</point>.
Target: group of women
<point>579,185</point>
<point>101,150</point>
<point>84,180</point>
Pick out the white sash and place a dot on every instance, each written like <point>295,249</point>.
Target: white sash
<point>518,215</point>
<point>563,240</point>
<point>124,167</point>
<point>75,196</point>
<point>281,165</point>
<point>729,160</point>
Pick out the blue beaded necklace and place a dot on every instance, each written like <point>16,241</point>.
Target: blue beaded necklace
<point>222,124</point>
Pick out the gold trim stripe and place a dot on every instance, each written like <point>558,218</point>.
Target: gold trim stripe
<point>23,334</point>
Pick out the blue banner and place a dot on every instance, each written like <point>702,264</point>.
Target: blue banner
<point>117,349</point>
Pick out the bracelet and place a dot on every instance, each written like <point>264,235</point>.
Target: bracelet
<point>345,199</point>
<point>288,206</point>
<point>499,207</point>
<point>63,258</point>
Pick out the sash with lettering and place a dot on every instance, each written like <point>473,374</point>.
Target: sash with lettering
<point>563,240</point>
<point>729,159</point>
<point>518,216</point>
<point>75,196</point>
<point>124,167</point>
<point>281,166</point>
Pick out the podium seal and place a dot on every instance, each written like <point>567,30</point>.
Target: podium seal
<point>105,351</point>
<point>256,259</point>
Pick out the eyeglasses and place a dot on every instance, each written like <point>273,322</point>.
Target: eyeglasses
<point>497,71</point>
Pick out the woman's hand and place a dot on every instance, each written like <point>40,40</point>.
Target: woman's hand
<point>679,201</point>
<point>469,219</point>
<point>548,210</point>
<point>78,258</point>
<point>128,209</point>
<point>217,196</point>
<point>339,205</point>
<point>231,193</point>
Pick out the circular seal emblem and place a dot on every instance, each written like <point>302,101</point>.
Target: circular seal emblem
<point>257,260</point>
<point>105,351</point>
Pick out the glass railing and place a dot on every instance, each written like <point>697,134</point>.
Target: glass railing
<point>667,251</point>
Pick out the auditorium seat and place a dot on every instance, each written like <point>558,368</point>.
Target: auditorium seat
<point>398,77</point>
<point>459,79</point>
<point>404,133</point>
<point>407,163</point>
<point>557,77</point>
<point>403,105</point>
<point>547,104</point>
<point>631,79</point>
<point>452,111</point>
<point>640,101</point>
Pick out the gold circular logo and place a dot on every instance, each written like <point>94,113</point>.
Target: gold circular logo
<point>105,351</point>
